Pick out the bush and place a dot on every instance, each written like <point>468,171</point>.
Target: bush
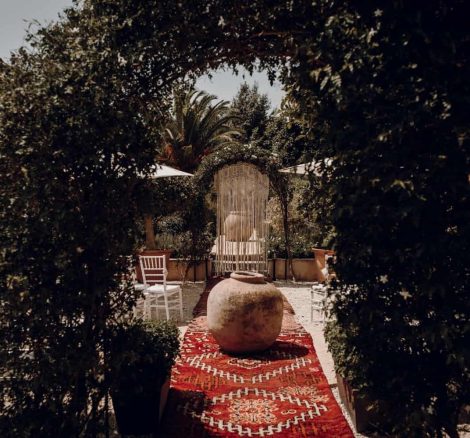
<point>304,234</point>
<point>150,350</point>
<point>392,100</point>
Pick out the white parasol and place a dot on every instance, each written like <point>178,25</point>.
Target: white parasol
<point>304,168</point>
<point>163,171</point>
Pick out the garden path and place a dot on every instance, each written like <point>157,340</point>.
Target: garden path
<point>201,401</point>
<point>298,295</point>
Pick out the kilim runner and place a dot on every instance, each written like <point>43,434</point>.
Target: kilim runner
<point>281,392</point>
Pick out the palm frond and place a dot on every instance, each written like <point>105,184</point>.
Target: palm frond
<point>197,127</point>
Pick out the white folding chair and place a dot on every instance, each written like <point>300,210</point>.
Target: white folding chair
<point>318,302</point>
<point>158,294</point>
<point>139,287</point>
<point>319,295</point>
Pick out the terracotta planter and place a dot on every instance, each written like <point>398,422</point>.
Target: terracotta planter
<point>178,270</point>
<point>320,261</point>
<point>140,414</point>
<point>151,252</point>
<point>235,227</point>
<point>362,417</point>
<point>305,269</point>
<point>244,313</point>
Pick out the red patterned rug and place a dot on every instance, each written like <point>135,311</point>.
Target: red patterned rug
<point>281,392</point>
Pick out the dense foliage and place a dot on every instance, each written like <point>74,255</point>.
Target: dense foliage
<point>304,234</point>
<point>189,229</point>
<point>231,154</point>
<point>392,101</point>
<point>150,351</point>
<point>385,92</point>
<point>71,142</point>
<point>292,234</point>
<point>317,208</point>
<point>285,138</point>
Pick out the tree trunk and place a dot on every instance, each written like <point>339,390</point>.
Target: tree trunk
<point>285,217</point>
<point>282,189</point>
<point>149,232</point>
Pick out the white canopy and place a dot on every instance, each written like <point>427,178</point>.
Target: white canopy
<point>304,168</point>
<point>163,171</point>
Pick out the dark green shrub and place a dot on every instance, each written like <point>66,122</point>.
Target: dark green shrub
<point>391,99</point>
<point>150,350</point>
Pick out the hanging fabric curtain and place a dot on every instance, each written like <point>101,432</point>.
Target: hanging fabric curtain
<point>242,194</point>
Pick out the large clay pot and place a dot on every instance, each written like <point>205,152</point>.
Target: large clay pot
<point>235,226</point>
<point>244,313</point>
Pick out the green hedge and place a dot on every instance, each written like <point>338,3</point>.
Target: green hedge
<point>384,90</point>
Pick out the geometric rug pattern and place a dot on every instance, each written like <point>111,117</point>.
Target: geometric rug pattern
<point>281,392</point>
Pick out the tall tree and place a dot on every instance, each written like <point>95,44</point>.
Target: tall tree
<point>286,138</point>
<point>251,108</point>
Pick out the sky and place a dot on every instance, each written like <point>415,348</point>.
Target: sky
<point>15,16</point>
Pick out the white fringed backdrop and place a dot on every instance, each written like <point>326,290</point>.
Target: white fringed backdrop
<point>242,229</point>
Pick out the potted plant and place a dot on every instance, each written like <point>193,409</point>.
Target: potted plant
<point>143,375</point>
<point>361,407</point>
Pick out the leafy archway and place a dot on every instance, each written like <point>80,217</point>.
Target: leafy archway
<point>385,91</point>
<point>233,154</point>
<point>266,163</point>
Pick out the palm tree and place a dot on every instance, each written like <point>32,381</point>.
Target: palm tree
<point>196,128</point>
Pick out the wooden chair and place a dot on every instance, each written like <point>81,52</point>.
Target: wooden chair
<point>158,294</point>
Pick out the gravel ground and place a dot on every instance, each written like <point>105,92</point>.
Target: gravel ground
<point>191,293</point>
<point>298,295</point>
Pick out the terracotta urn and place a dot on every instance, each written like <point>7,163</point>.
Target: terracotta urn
<point>320,262</point>
<point>235,226</point>
<point>244,313</point>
